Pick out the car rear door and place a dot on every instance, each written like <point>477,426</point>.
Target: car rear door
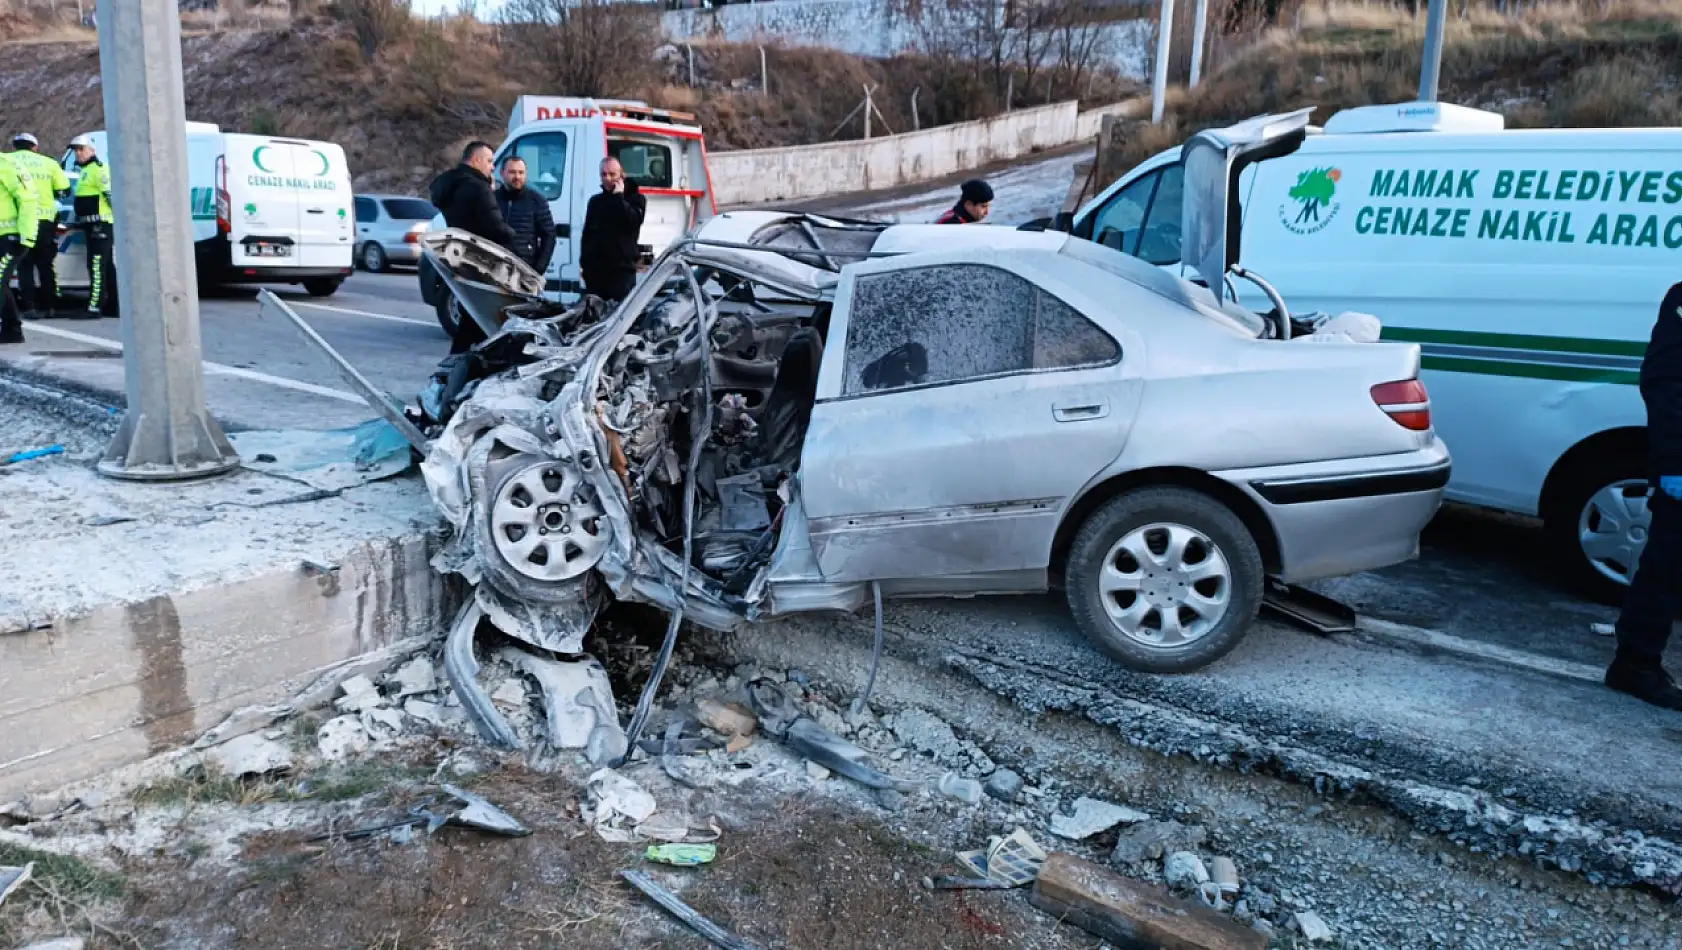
<point>960,407</point>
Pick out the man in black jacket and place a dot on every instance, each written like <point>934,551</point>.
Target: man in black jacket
<point>608,253</point>
<point>465,197</point>
<point>1654,601</point>
<point>527,215</point>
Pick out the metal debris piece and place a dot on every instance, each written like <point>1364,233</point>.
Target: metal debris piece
<point>965,884</point>
<point>12,878</point>
<point>25,456</point>
<point>715,934</point>
<point>484,816</point>
<point>577,702</point>
<point>462,670</point>
<point>1092,816</point>
<point>811,741</point>
<point>682,855</point>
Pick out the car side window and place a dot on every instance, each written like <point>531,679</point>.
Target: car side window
<point>1118,224</point>
<point>1160,242</point>
<point>1063,339</point>
<point>546,161</point>
<point>366,211</point>
<point>953,323</point>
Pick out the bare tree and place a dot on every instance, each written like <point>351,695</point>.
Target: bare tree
<point>377,23</point>
<point>582,47</point>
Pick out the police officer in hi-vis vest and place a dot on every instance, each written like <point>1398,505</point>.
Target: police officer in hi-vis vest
<point>93,215</point>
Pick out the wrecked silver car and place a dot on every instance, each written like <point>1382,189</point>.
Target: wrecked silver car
<point>793,413</point>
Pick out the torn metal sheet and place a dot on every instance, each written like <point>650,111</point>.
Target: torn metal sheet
<point>713,933</point>
<point>378,401</point>
<point>479,813</point>
<point>12,878</point>
<point>577,701</point>
<point>462,670</point>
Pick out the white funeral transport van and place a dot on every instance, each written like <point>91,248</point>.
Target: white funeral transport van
<point>564,141</point>
<point>1528,264</point>
<point>265,210</point>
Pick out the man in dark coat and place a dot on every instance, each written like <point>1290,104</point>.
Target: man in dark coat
<point>1654,601</point>
<point>975,200</point>
<point>465,197</point>
<point>526,213</point>
<point>608,252</point>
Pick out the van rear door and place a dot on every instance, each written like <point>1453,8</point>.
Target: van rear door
<point>289,203</point>
<point>668,163</point>
<point>326,225</point>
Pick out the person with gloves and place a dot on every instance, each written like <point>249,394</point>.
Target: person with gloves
<point>95,216</point>
<point>975,200</point>
<point>1654,601</point>
<point>18,227</point>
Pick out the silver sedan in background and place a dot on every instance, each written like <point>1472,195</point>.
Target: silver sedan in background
<point>388,230</point>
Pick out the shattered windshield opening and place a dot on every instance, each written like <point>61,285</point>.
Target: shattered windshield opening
<point>834,243</point>
<point>748,413</point>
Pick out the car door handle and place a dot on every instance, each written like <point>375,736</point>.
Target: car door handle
<point>1080,413</point>
<point>563,230</point>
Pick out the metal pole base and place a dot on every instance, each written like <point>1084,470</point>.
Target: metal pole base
<point>150,449</point>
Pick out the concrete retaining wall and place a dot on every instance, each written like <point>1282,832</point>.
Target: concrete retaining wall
<point>130,681</point>
<point>761,176</point>
<point>864,27</point>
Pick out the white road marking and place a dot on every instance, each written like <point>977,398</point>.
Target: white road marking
<point>363,313</point>
<point>215,369</point>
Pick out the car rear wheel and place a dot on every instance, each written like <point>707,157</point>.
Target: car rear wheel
<point>322,286</point>
<point>449,315</point>
<point>1166,580</point>
<point>373,258</point>
<point>1598,524</point>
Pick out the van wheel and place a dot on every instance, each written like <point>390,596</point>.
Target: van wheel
<point>1597,524</point>
<point>449,316</point>
<point>322,286</point>
<point>1166,580</point>
<point>373,258</point>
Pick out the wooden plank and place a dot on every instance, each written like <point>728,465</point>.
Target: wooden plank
<point>1133,915</point>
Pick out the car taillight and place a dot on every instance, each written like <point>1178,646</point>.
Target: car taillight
<point>1406,402</point>
<point>413,237</point>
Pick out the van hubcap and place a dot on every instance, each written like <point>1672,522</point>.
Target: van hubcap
<point>1165,585</point>
<point>1613,528</point>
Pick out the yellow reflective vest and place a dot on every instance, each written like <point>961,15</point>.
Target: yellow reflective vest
<point>17,201</point>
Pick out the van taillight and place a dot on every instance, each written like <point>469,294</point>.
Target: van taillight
<point>1406,402</point>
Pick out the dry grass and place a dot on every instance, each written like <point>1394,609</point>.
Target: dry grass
<point>1558,65</point>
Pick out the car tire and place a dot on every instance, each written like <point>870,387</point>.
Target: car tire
<point>1603,482</point>
<point>323,286</point>
<point>447,314</point>
<point>1221,573</point>
<point>373,258</point>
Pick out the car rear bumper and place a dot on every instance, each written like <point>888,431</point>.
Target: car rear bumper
<point>1337,518</point>
<point>401,253</point>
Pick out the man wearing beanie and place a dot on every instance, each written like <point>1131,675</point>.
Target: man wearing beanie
<point>975,199</point>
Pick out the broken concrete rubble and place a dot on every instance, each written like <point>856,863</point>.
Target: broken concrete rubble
<point>340,738</point>
<point>410,679</point>
<point>1151,840</point>
<point>1090,816</point>
<point>249,754</point>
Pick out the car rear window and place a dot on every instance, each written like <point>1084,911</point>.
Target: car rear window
<point>409,209</point>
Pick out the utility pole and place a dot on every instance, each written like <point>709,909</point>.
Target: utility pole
<point>1159,83</point>
<point>167,434</point>
<point>1197,41</point>
<point>868,108</point>
<point>1430,71</point>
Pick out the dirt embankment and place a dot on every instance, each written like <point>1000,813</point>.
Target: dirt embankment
<point>403,113</point>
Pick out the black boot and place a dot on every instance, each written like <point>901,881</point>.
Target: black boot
<point>11,333</point>
<point>31,315</point>
<point>1646,680</point>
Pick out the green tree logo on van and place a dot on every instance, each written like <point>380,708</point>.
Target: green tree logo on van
<point>1315,197</point>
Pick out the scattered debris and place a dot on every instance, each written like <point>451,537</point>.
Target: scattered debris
<point>666,899</point>
<point>360,695</point>
<point>1128,913</point>
<point>411,679</point>
<point>738,743</point>
<point>1092,816</point>
<point>816,771</point>
<point>512,694</point>
<point>964,884</point>
<point>58,943</point>
<point>966,790</point>
<point>250,754</point>
<point>12,878</point>
<point>726,719</point>
<point>579,711</point>
<point>340,738</point>
<point>618,802</point>
<point>430,713</point>
<point>1184,870</point>
<point>1314,930</point>
<point>1004,785</point>
<point>1603,629</point>
<point>382,723</point>
<point>1151,840</point>
<point>682,855</point>
<point>29,454</point>
<point>1012,861</point>
<point>481,814</point>
<point>929,734</point>
<point>1221,890</point>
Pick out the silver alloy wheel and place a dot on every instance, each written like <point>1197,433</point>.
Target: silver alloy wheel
<point>547,523</point>
<point>373,257</point>
<point>1613,527</point>
<point>1165,585</point>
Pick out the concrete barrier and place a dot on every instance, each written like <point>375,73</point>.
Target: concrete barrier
<point>762,176</point>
